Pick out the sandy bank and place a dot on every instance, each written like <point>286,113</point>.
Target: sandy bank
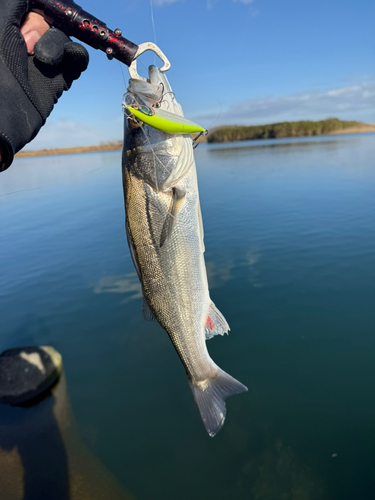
<point>113,146</point>
<point>355,130</point>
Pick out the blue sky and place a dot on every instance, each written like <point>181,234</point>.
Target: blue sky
<point>233,62</point>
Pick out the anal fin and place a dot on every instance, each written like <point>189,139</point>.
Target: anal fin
<point>216,323</point>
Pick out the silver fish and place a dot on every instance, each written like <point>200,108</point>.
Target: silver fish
<point>165,236</point>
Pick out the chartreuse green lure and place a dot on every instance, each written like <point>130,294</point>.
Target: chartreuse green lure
<point>164,120</point>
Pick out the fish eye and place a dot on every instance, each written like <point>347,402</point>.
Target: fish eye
<point>146,110</point>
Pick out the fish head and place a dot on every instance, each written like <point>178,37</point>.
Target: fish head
<point>154,92</point>
<point>158,158</point>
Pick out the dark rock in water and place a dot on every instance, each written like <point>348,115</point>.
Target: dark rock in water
<point>26,374</point>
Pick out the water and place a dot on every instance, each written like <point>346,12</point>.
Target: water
<point>290,251</point>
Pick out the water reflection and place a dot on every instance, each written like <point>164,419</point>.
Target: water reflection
<point>325,142</point>
<point>219,271</point>
<point>42,456</point>
<point>122,283</point>
<point>31,327</point>
<point>222,267</point>
<point>296,220</point>
<point>29,174</point>
<point>252,258</point>
<point>32,454</point>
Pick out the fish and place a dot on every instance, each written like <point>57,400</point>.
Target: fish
<point>164,230</point>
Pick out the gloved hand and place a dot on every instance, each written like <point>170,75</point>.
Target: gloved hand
<point>31,85</point>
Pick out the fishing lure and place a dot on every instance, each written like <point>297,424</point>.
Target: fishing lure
<point>161,119</point>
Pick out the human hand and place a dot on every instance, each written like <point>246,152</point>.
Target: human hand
<point>32,30</point>
<point>2,153</point>
<point>30,85</point>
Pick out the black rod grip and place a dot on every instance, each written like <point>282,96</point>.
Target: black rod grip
<point>70,18</point>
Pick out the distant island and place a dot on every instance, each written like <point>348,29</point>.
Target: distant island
<point>287,129</point>
<point>233,133</point>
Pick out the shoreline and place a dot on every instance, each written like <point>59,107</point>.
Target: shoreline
<point>117,146</point>
<point>354,130</point>
<point>113,146</point>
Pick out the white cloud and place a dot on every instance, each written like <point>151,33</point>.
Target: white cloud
<point>211,3</point>
<point>251,10</point>
<point>164,2</point>
<point>352,102</point>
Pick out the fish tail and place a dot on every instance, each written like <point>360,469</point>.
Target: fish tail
<point>210,396</point>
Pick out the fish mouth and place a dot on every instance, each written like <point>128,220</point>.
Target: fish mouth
<point>157,77</point>
<point>154,92</point>
<point>168,101</point>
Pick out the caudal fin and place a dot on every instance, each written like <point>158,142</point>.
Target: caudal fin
<point>210,397</point>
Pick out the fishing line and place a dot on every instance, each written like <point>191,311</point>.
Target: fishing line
<point>144,98</point>
<point>140,61</point>
<point>122,72</point>
<point>51,184</point>
<point>25,190</point>
<point>153,26</point>
<point>195,143</point>
<point>139,124</point>
<point>155,158</point>
<point>92,7</point>
<point>217,117</point>
<point>131,96</point>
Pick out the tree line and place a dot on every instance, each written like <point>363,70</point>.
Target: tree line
<point>279,130</point>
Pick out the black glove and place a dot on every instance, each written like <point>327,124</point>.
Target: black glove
<point>31,85</point>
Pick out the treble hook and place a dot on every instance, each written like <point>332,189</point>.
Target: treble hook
<point>195,143</point>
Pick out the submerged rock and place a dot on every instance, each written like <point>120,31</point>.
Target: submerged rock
<point>27,373</point>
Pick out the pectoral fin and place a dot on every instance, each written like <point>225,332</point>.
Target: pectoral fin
<point>200,223</point>
<point>177,196</point>
<point>148,315</point>
<point>132,251</point>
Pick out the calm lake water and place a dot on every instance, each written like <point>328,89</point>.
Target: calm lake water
<point>290,252</point>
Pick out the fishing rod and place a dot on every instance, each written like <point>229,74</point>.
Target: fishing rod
<point>70,18</point>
